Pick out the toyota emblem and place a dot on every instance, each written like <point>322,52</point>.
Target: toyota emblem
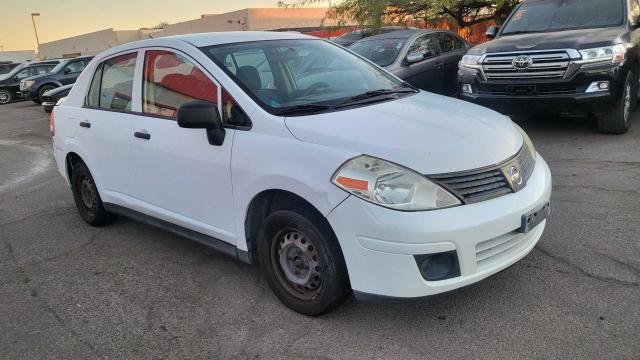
<point>522,62</point>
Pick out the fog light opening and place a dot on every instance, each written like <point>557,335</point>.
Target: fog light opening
<point>437,267</point>
<point>467,89</point>
<point>598,86</point>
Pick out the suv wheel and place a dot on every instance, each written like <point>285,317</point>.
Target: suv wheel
<point>302,261</point>
<point>618,119</point>
<point>87,198</point>
<point>5,97</point>
<point>41,92</point>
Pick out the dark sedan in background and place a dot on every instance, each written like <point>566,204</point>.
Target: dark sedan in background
<point>65,73</point>
<point>357,35</point>
<point>51,97</point>
<point>6,66</point>
<point>426,59</point>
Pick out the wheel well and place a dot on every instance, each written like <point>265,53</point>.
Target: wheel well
<point>266,203</point>
<point>48,84</point>
<point>72,161</point>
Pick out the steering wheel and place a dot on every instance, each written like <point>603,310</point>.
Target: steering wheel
<point>314,87</point>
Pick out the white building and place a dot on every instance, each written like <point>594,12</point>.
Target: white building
<point>18,56</point>
<point>254,19</point>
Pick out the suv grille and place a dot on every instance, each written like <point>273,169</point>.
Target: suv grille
<point>546,65</point>
<point>488,183</point>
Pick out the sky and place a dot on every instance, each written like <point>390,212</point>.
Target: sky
<point>65,18</point>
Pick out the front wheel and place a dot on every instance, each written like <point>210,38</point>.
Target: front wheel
<point>302,261</point>
<point>618,119</point>
<point>5,97</point>
<point>41,91</point>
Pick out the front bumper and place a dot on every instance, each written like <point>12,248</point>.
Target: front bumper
<point>549,96</point>
<point>379,244</point>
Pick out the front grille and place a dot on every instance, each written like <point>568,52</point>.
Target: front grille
<point>537,90</point>
<point>490,250</point>
<point>544,65</point>
<point>488,183</point>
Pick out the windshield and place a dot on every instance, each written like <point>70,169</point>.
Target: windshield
<point>59,67</point>
<point>294,73</point>
<point>382,52</point>
<point>555,15</point>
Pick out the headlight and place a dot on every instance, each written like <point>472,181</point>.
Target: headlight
<point>26,84</point>
<point>470,61</point>
<point>390,185</point>
<point>608,54</point>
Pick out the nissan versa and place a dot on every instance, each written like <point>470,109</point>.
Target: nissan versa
<point>560,56</point>
<point>294,153</point>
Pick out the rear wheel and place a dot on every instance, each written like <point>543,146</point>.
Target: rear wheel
<point>41,92</point>
<point>87,198</point>
<point>302,261</point>
<point>5,97</point>
<point>618,119</point>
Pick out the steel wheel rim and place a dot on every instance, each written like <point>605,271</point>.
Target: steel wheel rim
<point>4,97</point>
<point>627,102</point>
<point>87,195</point>
<point>297,264</point>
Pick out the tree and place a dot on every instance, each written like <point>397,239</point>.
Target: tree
<point>374,13</point>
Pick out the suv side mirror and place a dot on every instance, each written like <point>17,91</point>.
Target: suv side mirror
<point>202,115</point>
<point>414,57</point>
<point>67,70</point>
<point>492,31</point>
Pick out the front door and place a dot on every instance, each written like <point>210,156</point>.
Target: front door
<point>428,73</point>
<point>181,178</point>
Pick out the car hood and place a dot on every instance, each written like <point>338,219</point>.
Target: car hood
<point>428,133</point>
<point>568,39</point>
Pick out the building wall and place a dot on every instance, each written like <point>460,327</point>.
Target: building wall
<point>18,56</point>
<point>87,44</point>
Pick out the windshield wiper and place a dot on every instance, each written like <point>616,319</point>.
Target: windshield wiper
<point>303,109</point>
<point>377,95</point>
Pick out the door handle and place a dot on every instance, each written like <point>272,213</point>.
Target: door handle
<point>439,65</point>
<point>85,124</point>
<point>142,135</point>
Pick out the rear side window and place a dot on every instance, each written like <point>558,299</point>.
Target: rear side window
<point>171,80</point>
<point>450,43</point>
<point>112,85</point>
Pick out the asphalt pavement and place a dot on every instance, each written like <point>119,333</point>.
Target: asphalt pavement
<point>70,291</point>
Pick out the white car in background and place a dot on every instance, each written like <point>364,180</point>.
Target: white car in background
<point>294,153</point>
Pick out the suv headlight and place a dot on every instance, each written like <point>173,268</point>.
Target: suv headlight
<point>470,62</point>
<point>390,185</point>
<point>26,84</point>
<point>608,54</point>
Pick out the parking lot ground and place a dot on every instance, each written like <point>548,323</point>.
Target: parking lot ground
<point>131,291</point>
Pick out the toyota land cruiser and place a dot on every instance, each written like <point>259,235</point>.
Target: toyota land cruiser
<point>560,56</point>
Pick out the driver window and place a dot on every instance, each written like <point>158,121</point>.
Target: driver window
<point>424,45</point>
<point>75,67</point>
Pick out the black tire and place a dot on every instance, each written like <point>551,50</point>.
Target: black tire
<point>618,119</point>
<point>328,284</point>
<point>43,89</point>
<point>5,97</point>
<point>87,198</point>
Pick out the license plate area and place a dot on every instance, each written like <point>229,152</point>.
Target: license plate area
<point>534,218</point>
<point>521,90</point>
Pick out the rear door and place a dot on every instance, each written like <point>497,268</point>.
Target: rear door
<point>452,49</point>
<point>426,74</point>
<point>104,129</point>
<point>181,178</point>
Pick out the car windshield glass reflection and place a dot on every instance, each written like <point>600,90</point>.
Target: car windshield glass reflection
<point>382,52</point>
<point>289,73</point>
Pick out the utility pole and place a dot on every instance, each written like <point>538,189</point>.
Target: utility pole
<point>33,20</point>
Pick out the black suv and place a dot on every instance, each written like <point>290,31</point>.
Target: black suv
<point>10,83</point>
<point>65,73</point>
<point>560,56</point>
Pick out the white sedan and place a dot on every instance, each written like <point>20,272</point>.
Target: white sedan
<point>294,153</point>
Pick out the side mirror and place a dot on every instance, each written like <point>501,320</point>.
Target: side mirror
<point>414,57</point>
<point>492,31</point>
<point>67,70</point>
<point>202,115</point>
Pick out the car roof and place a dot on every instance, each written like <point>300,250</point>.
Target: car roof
<point>219,38</point>
<point>400,34</point>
